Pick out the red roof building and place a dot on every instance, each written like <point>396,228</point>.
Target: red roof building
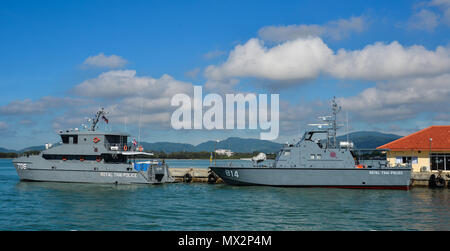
<point>426,149</point>
<point>420,141</point>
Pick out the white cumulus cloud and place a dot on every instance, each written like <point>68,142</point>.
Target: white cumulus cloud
<point>42,105</point>
<point>300,59</point>
<point>382,61</point>
<point>306,58</point>
<point>132,99</point>
<point>103,61</point>
<point>400,99</point>
<point>122,83</point>
<point>336,30</point>
<point>423,20</point>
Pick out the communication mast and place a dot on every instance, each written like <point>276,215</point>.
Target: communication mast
<point>95,120</point>
<point>330,124</point>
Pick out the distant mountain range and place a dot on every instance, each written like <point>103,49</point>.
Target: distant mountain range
<point>31,148</point>
<point>368,140</point>
<point>361,140</point>
<point>234,144</point>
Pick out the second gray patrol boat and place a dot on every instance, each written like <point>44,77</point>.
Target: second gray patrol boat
<point>91,156</point>
<point>312,163</point>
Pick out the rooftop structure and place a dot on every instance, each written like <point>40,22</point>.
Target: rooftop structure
<point>427,149</point>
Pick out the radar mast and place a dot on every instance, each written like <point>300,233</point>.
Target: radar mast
<point>330,124</point>
<point>95,120</point>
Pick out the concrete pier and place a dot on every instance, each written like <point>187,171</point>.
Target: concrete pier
<point>199,175</point>
<point>422,178</point>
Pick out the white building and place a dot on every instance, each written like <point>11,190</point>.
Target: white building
<point>226,152</point>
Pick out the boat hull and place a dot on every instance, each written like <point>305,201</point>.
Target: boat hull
<point>316,177</point>
<point>37,169</point>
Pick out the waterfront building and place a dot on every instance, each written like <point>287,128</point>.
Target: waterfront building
<point>427,149</point>
<point>226,152</point>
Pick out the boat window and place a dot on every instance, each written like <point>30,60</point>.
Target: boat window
<point>319,156</point>
<point>287,152</point>
<point>69,157</point>
<point>116,139</point>
<point>312,156</point>
<point>65,139</point>
<point>69,139</point>
<point>114,158</point>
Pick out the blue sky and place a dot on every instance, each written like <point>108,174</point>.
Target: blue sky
<point>44,46</point>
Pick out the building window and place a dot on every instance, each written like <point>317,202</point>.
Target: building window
<point>440,162</point>
<point>406,160</point>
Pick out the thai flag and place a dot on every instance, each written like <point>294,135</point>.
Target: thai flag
<point>134,142</point>
<point>105,119</point>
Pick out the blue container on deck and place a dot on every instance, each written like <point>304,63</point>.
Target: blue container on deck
<point>141,166</point>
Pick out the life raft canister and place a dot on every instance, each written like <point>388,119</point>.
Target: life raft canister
<point>96,140</point>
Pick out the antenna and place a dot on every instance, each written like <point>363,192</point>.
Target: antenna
<point>140,115</point>
<point>318,125</point>
<point>336,109</point>
<point>346,115</point>
<point>330,125</point>
<point>96,119</point>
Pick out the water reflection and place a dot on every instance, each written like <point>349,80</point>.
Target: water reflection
<point>75,187</point>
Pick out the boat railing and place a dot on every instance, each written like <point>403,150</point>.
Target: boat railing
<point>116,146</point>
<point>396,166</point>
<point>380,164</point>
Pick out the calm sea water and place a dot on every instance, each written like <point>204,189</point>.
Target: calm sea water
<point>62,206</point>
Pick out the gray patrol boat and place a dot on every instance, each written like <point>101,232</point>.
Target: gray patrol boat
<point>315,163</point>
<point>90,156</point>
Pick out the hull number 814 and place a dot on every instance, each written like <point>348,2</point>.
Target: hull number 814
<point>231,173</point>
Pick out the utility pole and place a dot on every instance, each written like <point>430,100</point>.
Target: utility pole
<point>429,153</point>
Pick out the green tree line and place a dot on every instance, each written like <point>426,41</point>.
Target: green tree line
<point>15,155</point>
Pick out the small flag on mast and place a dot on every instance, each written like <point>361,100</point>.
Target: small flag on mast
<point>105,119</point>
